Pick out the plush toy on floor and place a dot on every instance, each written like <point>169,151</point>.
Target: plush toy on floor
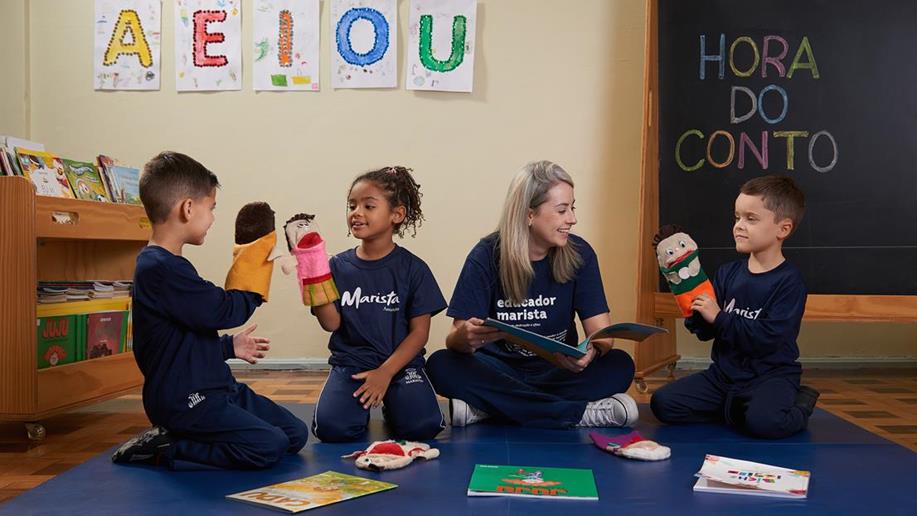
<point>631,446</point>
<point>253,252</point>
<point>384,455</point>
<point>679,263</point>
<point>310,260</point>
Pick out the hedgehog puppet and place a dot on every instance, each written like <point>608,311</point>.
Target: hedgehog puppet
<point>677,254</point>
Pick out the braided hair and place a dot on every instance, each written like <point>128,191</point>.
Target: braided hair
<point>400,190</point>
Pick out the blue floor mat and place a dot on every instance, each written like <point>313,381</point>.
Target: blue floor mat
<point>853,472</point>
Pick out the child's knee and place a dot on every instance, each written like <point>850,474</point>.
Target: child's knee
<point>268,449</point>
<point>421,429</point>
<point>330,430</point>
<point>298,435</point>
<point>768,424</point>
<point>661,403</point>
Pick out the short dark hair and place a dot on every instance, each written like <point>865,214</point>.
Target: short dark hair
<point>780,194</point>
<point>170,177</point>
<point>400,190</point>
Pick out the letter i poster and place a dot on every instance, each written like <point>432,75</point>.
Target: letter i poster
<point>127,42</point>
<point>441,45</point>
<point>208,45</point>
<point>286,43</point>
<point>364,43</point>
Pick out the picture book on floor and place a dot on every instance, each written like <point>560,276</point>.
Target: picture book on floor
<point>533,482</point>
<point>545,347</point>
<point>311,492</point>
<point>734,476</point>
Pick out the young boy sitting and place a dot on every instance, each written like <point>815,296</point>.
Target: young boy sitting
<point>201,415</point>
<point>753,383</point>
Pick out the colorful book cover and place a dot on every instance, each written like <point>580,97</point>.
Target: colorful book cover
<point>125,184</point>
<point>57,340</point>
<point>311,492</point>
<point>533,482</point>
<point>85,180</point>
<point>46,171</point>
<point>734,476</point>
<point>104,333</point>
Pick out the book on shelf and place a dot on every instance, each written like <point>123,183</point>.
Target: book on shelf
<point>85,180</point>
<point>45,171</point>
<point>105,333</point>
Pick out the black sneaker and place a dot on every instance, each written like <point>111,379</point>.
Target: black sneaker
<point>806,398</point>
<point>147,447</point>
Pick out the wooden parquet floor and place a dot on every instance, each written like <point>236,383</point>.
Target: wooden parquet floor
<point>881,401</point>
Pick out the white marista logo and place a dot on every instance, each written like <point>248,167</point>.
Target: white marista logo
<point>747,313</point>
<point>357,298</point>
<point>194,398</point>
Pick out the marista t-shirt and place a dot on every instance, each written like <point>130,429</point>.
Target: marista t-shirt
<point>548,309</point>
<point>378,300</point>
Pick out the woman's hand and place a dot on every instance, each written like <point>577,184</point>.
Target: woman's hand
<point>579,364</point>
<point>477,335</point>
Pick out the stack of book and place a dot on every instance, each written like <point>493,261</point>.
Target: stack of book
<point>105,181</point>
<point>65,291</point>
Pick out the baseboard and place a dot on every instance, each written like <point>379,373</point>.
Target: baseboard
<point>694,363</point>
<point>281,364</point>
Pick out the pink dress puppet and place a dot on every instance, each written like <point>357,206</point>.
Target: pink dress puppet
<point>312,270</point>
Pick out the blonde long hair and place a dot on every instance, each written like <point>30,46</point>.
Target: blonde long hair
<point>527,191</point>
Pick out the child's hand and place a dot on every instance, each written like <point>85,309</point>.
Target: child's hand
<point>250,348</point>
<point>706,307</point>
<point>374,387</point>
<point>579,364</point>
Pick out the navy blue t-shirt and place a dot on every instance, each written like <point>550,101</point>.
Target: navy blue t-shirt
<point>756,329</point>
<point>548,309</point>
<point>378,300</point>
<point>176,315</point>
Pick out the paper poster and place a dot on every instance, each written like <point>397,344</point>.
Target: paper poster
<point>364,43</point>
<point>286,45</point>
<point>127,42</point>
<point>208,45</point>
<point>441,45</point>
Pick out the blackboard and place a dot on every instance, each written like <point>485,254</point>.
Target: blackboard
<point>859,235</point>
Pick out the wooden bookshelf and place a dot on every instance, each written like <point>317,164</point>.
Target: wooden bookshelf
<point>52,239</point>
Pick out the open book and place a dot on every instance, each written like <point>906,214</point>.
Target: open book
<point>546,347</point>
<point>734,476</point>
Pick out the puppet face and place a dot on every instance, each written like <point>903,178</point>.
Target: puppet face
<point>296,229</point>
<point>674,249</point>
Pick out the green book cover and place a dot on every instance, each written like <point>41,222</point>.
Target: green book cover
<point>533,482</point>
<point>57,340</point>
<point>85,180</point>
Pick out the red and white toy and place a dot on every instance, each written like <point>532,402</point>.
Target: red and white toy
<point>383,455</point>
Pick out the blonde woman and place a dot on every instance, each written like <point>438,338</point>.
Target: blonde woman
<point>532,272</point>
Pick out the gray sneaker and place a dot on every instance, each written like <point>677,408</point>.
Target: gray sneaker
<point>463,414</point>
<point>618,410</point>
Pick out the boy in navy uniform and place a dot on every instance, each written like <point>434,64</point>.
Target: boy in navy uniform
<point>202,416</point>
<point>754,381</point>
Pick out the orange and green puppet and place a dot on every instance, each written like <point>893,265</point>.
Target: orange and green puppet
<point>679,263</point>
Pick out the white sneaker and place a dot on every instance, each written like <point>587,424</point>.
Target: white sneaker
<point>618,410</point>
<point>463,414</point>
